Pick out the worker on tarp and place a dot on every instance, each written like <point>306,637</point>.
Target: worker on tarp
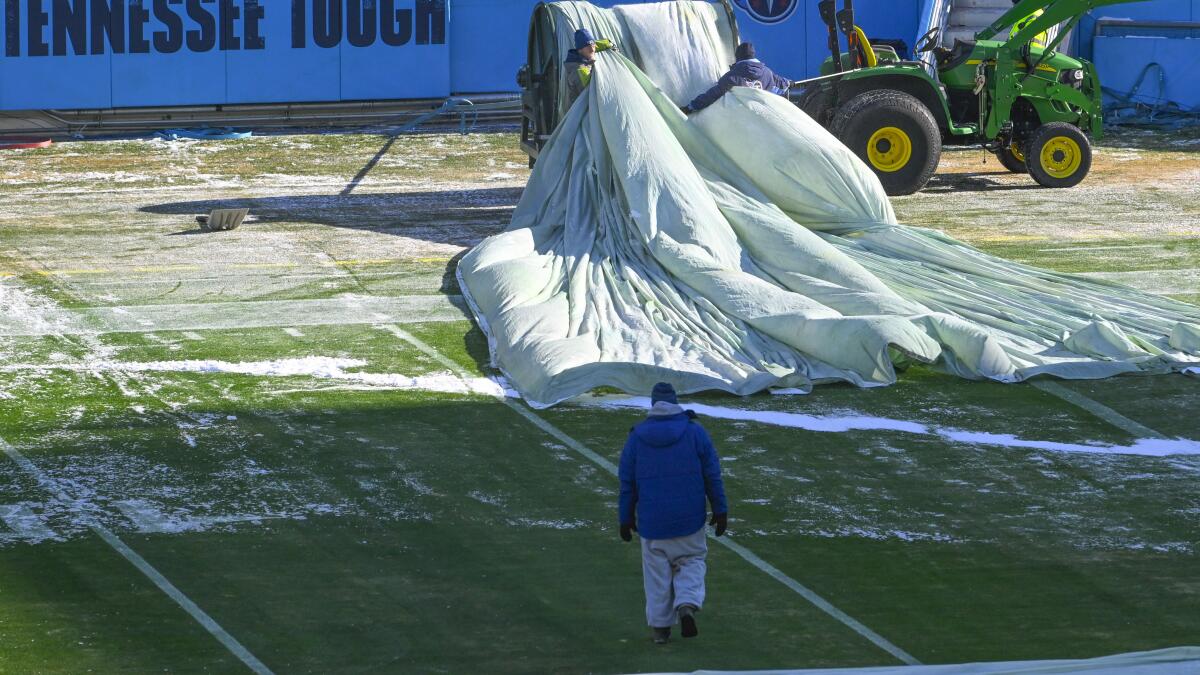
<point>748,71</point>
<point>580,61</point>
<point>1039,40</point>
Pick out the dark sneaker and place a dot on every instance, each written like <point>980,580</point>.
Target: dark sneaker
<point>662,635</point>
<point>687,621</point>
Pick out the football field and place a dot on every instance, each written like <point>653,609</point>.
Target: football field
<point>282,448</point>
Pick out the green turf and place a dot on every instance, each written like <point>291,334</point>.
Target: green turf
<point>332,527</point>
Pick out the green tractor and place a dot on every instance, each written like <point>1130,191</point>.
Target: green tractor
<point>1031,106</point>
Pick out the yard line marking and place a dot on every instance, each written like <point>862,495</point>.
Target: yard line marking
<point>743,552</point>
<point>1097,408</point>
<point>161,281</point>
<point>163,584</point>
<point>192,335</point>
<point>294,332</point>
<point>245,314</point>
<point>1157,282</point>
<point>142,514</point>
<point>821,603</point>
<point>352,262</point>
<point>1071,249</point>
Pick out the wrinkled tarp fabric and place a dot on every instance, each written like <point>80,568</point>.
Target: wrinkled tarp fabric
<point>1172,661</point>
<point>745,247</point>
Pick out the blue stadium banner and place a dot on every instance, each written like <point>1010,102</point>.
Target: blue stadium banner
<point>117,53</point>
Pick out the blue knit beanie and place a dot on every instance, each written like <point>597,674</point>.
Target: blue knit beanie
<point>583,38</point>
<point>663,392</point>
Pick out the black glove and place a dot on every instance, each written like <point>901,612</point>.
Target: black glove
<point>721,520</point>
<point>627,530</point>
<point>687,109</point>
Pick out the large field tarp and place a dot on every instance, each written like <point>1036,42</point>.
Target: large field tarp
<point>745,248</point>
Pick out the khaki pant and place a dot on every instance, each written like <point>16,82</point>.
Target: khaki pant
<point>673,574</point>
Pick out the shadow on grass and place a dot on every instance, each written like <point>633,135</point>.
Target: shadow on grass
<point>975,181</point>
<point>458,217</point>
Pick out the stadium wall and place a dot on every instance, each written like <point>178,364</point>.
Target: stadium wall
<point>100,54</point>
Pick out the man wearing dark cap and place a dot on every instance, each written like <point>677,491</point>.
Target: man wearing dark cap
<point>669,467</point>
<point>580,61</point>
<point>747,72</point>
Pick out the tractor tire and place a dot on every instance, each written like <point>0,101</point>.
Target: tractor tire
<point>895,134</point>
<point>1059,155</point>
<point>1012,158</point>
<point>815,102</point>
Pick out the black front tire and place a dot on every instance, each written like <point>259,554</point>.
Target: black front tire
<point>895,134</point>
<point>815,102</point>
<point>1008,157</point>
<point>1059,155</point>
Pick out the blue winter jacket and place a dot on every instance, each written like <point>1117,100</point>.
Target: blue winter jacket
<point>745,73</point>
<point>668,467</point>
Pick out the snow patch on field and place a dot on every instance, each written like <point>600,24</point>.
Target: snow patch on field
<point>323,367</point>
<point>780,419</point>
<point>1150,447</point>
<point>25,312</point>
<point>876,534</point>
<point>130,493</point>
<point>546,523</point>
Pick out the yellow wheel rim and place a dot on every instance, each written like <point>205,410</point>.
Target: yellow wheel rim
<point>889,149</point>
<point>1015,151</point>
<point>1061,157</point>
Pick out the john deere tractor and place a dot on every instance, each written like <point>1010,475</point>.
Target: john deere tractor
<point>1015,95</point>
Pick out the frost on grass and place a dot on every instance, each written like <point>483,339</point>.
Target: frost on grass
<point>922,491</point>
<point>25,313</point>
<point>125,492</point>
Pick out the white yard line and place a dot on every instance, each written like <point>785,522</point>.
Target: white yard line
<point>743,552</point>
<point>1096,408</point>
<point>265,274</point>
<point>169,589</point>
<point>1072,249</point>
<point>241,315</point>
<point>1158,282</point>
<point>320,367</point>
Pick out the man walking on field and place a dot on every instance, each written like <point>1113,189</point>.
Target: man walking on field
<point>668,468</point>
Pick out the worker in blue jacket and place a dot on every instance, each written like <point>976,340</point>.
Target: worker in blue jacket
<point>748,71</point>
<point>668,468</point>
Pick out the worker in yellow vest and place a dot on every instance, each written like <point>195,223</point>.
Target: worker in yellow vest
<point>581,60</point>
<point>1039,40</point>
